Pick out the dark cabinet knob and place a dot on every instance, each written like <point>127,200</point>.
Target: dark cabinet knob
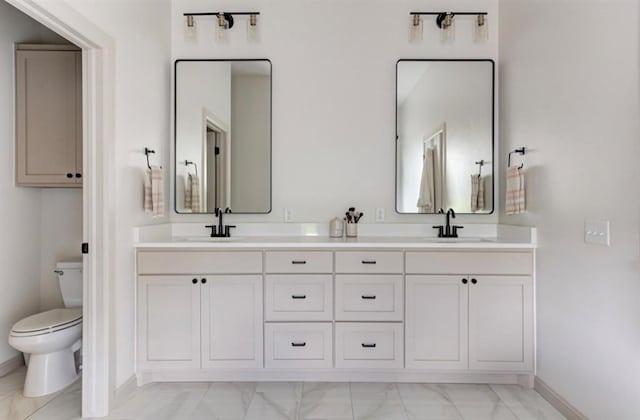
<point>78,175</point>
<point>194,281</point>
<point>465,281</point>
<point>204,281</point>
<point>69,175</point>
<point>474,281</point>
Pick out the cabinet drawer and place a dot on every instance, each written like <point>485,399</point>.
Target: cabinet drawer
<point>199,262</point>
<point>296,297</point>
<point>369,298</point>
<point>298,345</point>
<point>369,262</point>
<point>469,263</point>
<point>299,262</point>
<point>365,345</point>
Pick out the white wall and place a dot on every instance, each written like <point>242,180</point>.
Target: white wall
<point>140,29</point>
<point>333,94</point>
<point>20,212</point>
<point>569,83</point>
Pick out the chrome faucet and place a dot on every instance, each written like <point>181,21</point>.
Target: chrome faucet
<point>221,230</point>
<point>448,231</point>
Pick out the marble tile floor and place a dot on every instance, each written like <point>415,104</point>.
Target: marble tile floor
<point>271,401</point>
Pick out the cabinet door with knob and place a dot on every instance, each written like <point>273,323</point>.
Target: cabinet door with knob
<point>169,322</point>
<point>501,323</point>
<point>48,116</point>
<point>436,322</point>
<point>232,321</point>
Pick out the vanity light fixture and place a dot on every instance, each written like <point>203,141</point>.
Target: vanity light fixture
<point>415,29</point>
<point>446,22</point>
<point>190,31</point>
<point>253,30</point>
<point>224,22</point>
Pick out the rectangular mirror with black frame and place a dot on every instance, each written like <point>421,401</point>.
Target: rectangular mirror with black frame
<point>223,136</point>
<point>445,136</point>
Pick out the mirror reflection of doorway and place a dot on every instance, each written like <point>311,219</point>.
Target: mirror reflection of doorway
<point>216,167</point>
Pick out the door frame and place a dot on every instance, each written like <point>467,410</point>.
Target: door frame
<point>98,68</point>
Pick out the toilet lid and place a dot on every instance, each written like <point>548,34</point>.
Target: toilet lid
<point>49,321</point>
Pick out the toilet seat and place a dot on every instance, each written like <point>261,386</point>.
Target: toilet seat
<point>47,322</point>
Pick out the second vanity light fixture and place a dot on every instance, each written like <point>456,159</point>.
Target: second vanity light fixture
<point>446,22</point>
<point>224,22</point>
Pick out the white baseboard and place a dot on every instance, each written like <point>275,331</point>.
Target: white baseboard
<point>125,390</point>
<point>557,401</point>
<point>328,375</point>
<point>11,364</point>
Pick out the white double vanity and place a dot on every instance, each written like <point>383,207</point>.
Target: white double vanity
<point>378,308</point>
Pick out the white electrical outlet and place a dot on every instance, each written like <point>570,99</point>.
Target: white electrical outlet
<point>288,215</point>
<point>596,232</point>
<point>379,215</point>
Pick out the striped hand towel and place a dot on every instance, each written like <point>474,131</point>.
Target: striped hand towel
<point>154,191</point>
<point>477,193</point>
<point>187,193</point>
<point>515,194</point>
<point>195,193</point>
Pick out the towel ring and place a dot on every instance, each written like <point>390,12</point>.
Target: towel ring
<point>520,151</point>
<point>188,162</point>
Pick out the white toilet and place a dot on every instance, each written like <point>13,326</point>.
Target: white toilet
<point>51,338</point>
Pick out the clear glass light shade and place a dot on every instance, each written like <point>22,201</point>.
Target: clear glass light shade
<point>448,30</point>
<point>253,29</point>
<point>481,29</point>
<point>222,29</point>
<point>190,31</point>
<point>415,29</point>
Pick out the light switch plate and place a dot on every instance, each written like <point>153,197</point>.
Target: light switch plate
<point>596,232</point>
<point>379,215</point>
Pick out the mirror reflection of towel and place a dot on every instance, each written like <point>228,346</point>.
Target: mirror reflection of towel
<point>192,194</point>
<point>477,193</point>
<point>426,197</point>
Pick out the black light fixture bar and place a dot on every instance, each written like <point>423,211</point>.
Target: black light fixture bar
<point>220,13</point>
<point>453,13</point>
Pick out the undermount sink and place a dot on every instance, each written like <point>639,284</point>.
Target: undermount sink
<point>209,239</point>
<point>459,240</point>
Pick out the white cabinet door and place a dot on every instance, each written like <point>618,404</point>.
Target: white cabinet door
<point>501,323</point>
<point>436,322</point>
<point>168,322</point>
<point>232,322</point>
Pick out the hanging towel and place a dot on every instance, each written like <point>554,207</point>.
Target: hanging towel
<point>477,193</point>
<point>426,197</point>
<point>154,191</point>
<point>194,180</point>
<point>187,193</point>
<point>515,194</point>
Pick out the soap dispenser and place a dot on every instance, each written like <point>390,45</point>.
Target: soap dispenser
<point>336,227</point>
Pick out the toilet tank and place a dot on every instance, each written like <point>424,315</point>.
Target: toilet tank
<point>70,278</point>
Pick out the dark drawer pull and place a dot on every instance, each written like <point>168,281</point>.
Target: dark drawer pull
<point>372,262</point>
<point>299,262</point>
<point>369,346</point>
<point>298,296</point>
<point>368,297</point>
<point>303,344</point>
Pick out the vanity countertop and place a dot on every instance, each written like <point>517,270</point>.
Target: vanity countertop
<point>400,242</point>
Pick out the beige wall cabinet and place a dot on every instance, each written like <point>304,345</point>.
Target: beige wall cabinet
<point>48,116</point>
